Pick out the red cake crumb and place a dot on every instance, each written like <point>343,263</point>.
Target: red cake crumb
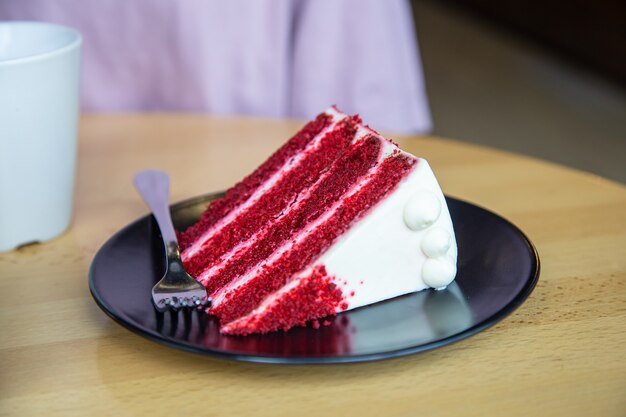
<point>244,189</point>
<point>273,202</point>
<point>343,174</point>
<point>316,296</point>
<point>245,298</point>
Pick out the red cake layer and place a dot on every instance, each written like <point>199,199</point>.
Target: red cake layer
<point>334,337</point>
<point>244,189</point>
<point>247,297</point>
<point>276,199</point>
<point>256,248</point>
<point>342,175</point>
<point>315,296</point>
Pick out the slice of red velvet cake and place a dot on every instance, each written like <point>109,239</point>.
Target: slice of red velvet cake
<point>336,219</point>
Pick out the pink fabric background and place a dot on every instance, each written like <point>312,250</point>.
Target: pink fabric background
<point>271,58</point>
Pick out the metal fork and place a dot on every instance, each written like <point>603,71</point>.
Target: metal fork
<point>177,289</point>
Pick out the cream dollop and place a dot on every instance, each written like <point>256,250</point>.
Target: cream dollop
<point>436,242</point>
<point>438,272</point>
<point>421,210</point>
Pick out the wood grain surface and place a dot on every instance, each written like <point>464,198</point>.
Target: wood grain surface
<point>562,353</point>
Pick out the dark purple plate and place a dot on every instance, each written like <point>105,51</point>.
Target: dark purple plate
<point>498,268</point>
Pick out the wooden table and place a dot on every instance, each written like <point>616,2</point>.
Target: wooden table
<point>563,352</point>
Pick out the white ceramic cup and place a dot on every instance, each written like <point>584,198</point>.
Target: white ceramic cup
<point>39,84</point>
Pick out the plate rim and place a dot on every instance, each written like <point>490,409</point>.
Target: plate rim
<point>492,320</point>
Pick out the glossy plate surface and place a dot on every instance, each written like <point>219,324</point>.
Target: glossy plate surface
<point>497,269</point>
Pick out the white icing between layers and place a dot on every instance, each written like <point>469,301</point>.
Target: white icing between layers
<point>288,166</point>
<point>271,299</point>
<point>207,274</point>
<point>219,296</point>
<point>380,257</point>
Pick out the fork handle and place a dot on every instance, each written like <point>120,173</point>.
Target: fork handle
<point>154,187</point>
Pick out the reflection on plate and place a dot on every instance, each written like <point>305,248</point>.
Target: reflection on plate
<point>497,269</point>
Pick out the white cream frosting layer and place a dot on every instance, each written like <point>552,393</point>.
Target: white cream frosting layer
<point>382,257</point>
<point>289,165</point>
<point>301,199</point>
<point>219,296</point>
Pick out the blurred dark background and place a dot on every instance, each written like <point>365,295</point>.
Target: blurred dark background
<point>547,79</point>
<point>589,33</point>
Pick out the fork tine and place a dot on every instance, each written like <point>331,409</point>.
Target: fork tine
<point>153,186</point>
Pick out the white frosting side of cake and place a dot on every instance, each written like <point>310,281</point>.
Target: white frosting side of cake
<point>382,257</point>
